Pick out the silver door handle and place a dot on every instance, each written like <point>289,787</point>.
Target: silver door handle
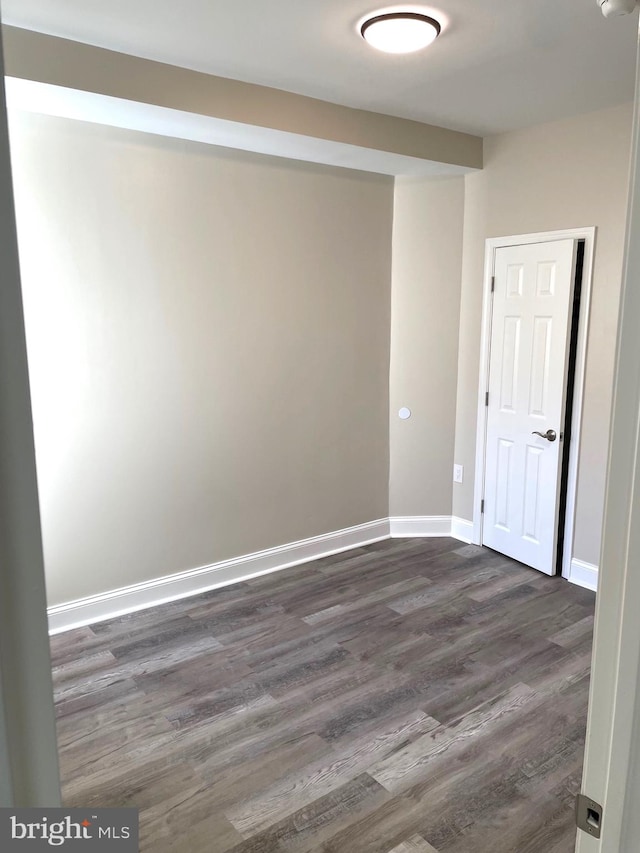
<point>550,434</point>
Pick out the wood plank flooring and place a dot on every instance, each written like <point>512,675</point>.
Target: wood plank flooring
<point>413,696</point>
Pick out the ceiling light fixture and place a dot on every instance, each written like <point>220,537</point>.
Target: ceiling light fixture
<point>400,32</point>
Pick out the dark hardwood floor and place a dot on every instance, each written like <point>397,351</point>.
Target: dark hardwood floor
<point>413,695</point>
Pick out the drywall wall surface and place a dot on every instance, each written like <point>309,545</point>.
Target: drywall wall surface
<point>566,174</point>
<point>73,65</point>
<point>208,339</point>
<point>427,258</point>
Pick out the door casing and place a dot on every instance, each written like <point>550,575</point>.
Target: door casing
<point>493,243</point>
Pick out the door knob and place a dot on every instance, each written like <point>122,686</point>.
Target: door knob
<point>550,434</point>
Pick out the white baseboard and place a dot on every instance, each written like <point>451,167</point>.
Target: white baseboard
<point>420,525</point>
<point>584,574</point>
<point>117,602</point>
<point>462,529</point>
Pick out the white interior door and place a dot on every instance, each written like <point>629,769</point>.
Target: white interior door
<point>530,330</point>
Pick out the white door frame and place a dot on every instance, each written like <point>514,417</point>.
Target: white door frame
<point>29,774</point>
<point>612,749</point>
<point>493,243</point>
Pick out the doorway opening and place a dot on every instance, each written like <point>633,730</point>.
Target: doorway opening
<point>568,415</point>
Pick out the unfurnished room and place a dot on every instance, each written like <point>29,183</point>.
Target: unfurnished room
<point>319,381</point>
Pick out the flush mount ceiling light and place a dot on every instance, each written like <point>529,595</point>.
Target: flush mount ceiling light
<point>400,32</point>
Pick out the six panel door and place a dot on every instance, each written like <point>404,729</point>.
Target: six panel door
<point>530,332</point>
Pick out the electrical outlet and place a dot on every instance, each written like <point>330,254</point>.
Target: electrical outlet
<point>458,472</point>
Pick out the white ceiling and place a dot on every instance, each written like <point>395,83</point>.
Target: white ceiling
<point>498,65</point>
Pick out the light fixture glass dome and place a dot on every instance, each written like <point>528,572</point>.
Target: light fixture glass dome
<point>400,32</point>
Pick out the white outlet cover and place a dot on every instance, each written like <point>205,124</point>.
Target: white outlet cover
<point>404,413</point>
<point>458,473</point>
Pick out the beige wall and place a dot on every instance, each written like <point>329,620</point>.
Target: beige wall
<point>83,67</point>
<point>567,174</point>
<point>427,258</point>
<point>208,337</point>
